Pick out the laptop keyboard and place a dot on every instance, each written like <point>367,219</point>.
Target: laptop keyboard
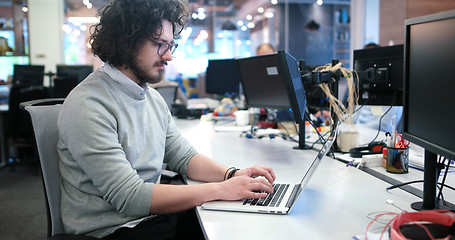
<point>271,200</point>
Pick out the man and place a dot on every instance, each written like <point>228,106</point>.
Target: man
<point>115,133</point>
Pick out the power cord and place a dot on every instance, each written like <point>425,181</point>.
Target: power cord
<point>440,185</point>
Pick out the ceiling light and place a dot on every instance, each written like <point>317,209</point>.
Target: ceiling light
<point>244,28</point>
<point>274,2</point>
<point>268,14</point>
<point>239,23</point>
<point>319,2</point>
<point>76,32</point>
<point>78,20</point>
<point>250,25</point>
<point>66,28</point>
<point>73,39</point>
<point>260,9</point>
<point>24,9</point>
<point>249,17</point>
<point>201,15</point>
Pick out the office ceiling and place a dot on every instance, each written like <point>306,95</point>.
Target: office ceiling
<point>210,5</point>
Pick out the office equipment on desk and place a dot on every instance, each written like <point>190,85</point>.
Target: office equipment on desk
<point>397,160</point>
<point>28,75</point>
<point>334,193</point>
<point>347,140</point>
<point>285,194</point>
<point>380,75</point>
<point>429,83</point>
<point>274,81</point>
<point>68,77</point>
<point>222,77</point>
<point>262,82</point>
<point>372,148</point>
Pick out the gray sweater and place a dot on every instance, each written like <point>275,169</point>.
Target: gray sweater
<point>114,138</point>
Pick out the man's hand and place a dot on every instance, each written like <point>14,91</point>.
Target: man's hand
<point>256,171</point>
<point>241,187</point>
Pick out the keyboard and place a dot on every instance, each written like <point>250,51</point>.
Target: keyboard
<point>271,200</point>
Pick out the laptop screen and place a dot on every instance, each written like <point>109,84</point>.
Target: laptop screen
<point>324,150</point>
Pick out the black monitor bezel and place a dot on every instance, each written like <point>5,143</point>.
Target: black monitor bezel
<point>433,147</point>
<point>296,105</point>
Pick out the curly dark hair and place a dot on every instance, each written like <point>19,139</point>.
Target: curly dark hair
<point>125,24</point>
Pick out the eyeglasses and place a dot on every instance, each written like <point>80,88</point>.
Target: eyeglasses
<point>163,47</point>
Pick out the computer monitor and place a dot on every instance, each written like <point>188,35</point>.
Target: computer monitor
<point>380,75</point>
<point>262,82</point>
<point>28,75</point>
<point>429,97</point>
<point>292,79</point>
<point>73,72</point>
<point>274,81</point>
<point>222,77</point>
<point>68,76</point>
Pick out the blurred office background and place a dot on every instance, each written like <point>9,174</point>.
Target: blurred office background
<point>52,32</point>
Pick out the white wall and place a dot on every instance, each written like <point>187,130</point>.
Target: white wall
<point>46,35</point>
<point>372,21</point>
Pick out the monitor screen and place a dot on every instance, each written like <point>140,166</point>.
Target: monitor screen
<point>430,84</point>
<point>380,75</point>
<point>68,76</point>
<point>73,72</point>
<point>428,90</point>
<point>262,82</point>
<point>222,77</point>
<point>28,75</point>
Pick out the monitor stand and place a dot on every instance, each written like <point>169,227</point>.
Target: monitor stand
<point>431,173</point>
<point>302,145</point>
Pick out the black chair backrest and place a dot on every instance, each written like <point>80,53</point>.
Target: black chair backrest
<point>18,121</point>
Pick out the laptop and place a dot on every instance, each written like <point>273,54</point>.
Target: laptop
<point>284,196</point>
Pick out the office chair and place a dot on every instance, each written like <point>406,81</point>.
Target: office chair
<point>169,93</point>
<point>19,132</point>
<point>44,115</point>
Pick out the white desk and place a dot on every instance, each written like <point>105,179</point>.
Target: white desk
<point>334,205</point>
<point>416,159</point>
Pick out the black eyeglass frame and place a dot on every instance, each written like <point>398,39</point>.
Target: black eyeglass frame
<point>170,47</point>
